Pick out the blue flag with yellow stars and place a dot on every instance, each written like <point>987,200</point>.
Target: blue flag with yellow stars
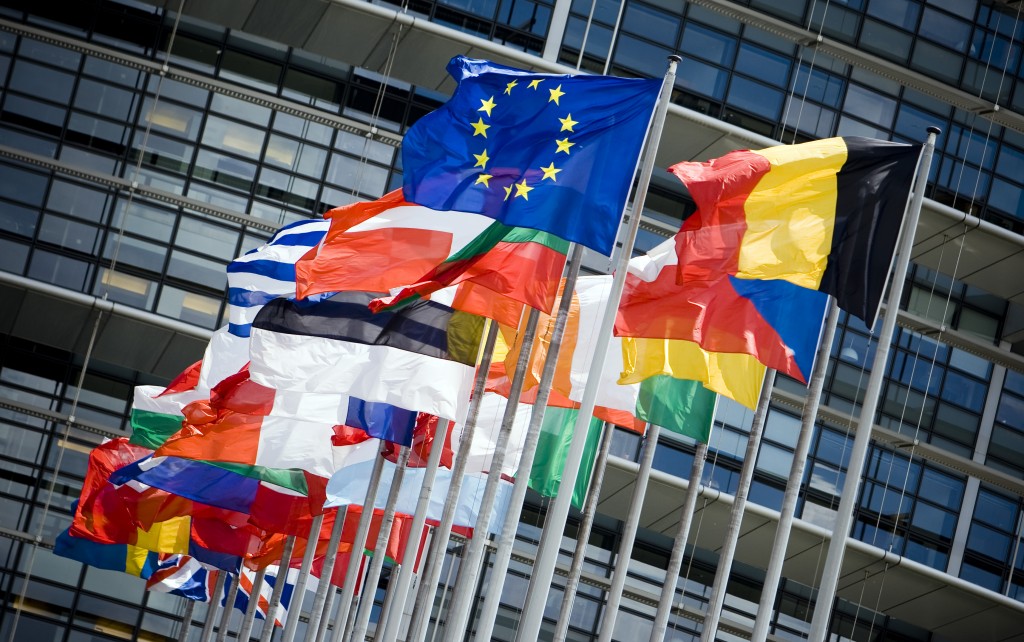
<point>551,152</point>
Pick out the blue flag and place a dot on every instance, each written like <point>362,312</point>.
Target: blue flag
<point>550,152</point>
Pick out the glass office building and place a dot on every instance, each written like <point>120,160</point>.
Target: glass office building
<point>141,150</point>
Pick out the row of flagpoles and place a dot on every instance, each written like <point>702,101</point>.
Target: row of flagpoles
<point>292,395</point>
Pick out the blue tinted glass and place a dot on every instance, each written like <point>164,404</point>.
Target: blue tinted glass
<point>927,554</point>
<point>885,40</point>
<point>989,542</point>
<point>913,123</point>
<point>755,98</point>
<point>640,55</point>
<point>869,105</point>
<point>708,44</point>
<point>941,488</point>
<point>651,23</point>
<point>964,391</point>
<point>702,79</point>
<point>41,82</point>
<point>1014,382</point>
<point>22,185</point>
<point>931,519</point>
<point>763,64</point>
<point>944,29</point>
<point>1007,197</point>
<point>937,61</point>
<point>996,510</point>
<point>902,13</point>
<point>820,86</point>
<point>1011,411</point>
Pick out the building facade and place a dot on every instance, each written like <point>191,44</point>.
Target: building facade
<point>145,144</point>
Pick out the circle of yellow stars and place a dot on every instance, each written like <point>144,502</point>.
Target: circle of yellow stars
<point>562,146</point>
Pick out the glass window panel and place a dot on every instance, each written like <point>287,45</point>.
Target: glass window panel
<point>18,220</point>
<point>639,55</point>
<point>989,542</point>
<point>240,109</point>
<point>145,219</point>
<point>136,252</point>
<point>902,13</point>
<point>869,105</point>
<point>985,81</point>
<point>996,510</point>
<point>1007,197</point>
<point>653,24</point>
<point>105,99</point>
<point>1014,382</point>
<point>955,424</point>
<point>670,460</point>
<point>792,10</point>
<point>728,441</point>
<point>164,152</point>
<point>93,160</point>
<point>111,71</point>
<point>927,553</point>
<point>43,118</point>
<point>126,288</point>
<point>193,269</point>
<point>834,448</point>
<point>68,234</point>
<point>171,118</point>
<point>885,41</point>
<point>77,200</point>
<point>287,189</point>
<point>13,256</point>
<point>194,53</point>
<point>982,577</point>
<point>934,520</point>
<point>189,307</point>
<point>944,29</point>
<point>708,44</point>
<point>359,176</point>
<point>936,61</point>
<point>229,136</point>
<point>755,97</point>
<point>774,460</point>
<point>763,64</point>
<point>296,156</point>
<point>766,495</point>
<point>246,69</point>
<point>225,170</point>
<point>206,237</point>
<point>599,38</point>
<point>782,428</point>
<point>1010,161</point>
<point>1007,446</point>
<point>97,133</point>
<point>979,324</point>
<point>941,489</point>
<point>853,127</point>
<point>59,270</point>
<point>179,91</point>
<point>839,23</point>
<point>702,79</point>
<point>302,128</point>
<point>1010,411</point>
<point>964,391</point>
<point>818,85</point>
<point>363,147</point>
<point>41,82</point>
<point>311,89</point>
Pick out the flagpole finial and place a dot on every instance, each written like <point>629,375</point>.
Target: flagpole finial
<point>932,129</point>
<point>676,58</point>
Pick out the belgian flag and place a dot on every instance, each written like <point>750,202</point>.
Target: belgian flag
<point>823,215</point>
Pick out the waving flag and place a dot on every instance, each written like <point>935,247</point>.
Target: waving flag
<point>823,215</point>
<point>125,558</point>
<point>268,272</point>
<point>549,152</point>
<point>184,576</point>
<point>775,321</point>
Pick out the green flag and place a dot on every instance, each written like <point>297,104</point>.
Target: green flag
<point>552,448</point>
<point>678,405</point>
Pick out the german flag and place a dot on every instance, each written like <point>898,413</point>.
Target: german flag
<point>823,215</point>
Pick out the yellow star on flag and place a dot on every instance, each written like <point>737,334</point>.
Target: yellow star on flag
<point>556,93</point>
<point>535,83</point>
<point>522,189</point>
<point>481,159</point>
<point>549,172</point>
<point>487,105</point>
<point>483,178</point>
<point>508,87</point>
<point>563,145</point>
<point>480,128</point>
<point>567,123</point>
<point>508,191</point>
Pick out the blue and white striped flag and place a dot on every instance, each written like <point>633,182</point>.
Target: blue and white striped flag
<point>268,272</point>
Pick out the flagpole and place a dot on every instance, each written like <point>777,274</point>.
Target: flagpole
<point>355,558</point>
<point>796,474</point>
<point>275,596</point>
<point>547,553</point>
<point>250,608</point>
<point>316,613</point>
<point>186,619</point>
<point>507,539</point>
<point>466,582</point>
<point>299,592</point>
<point>866,418</point>
<point>362,620</point>
<point>229,605</point>
<point>424,603</point>
<point>211,610</point>
<point>321,630</point>
<point>583,535</point>
<point>636,505</point>
<point>732,533</point>
<point>412,547</point>
<point>675,559</point>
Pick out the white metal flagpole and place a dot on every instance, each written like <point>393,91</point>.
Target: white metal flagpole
<point>362,620</point>
<point>547,553</point>
<point>796,475</point>
<point>275,595</point>
<point>211,610</point>
<point>229,605</point>
<point>469,567</point>
<point>507,538</point>
<point>442,533</point>
<point>299,592</point>
<point>583,535</point>
<point>355,558</point>
<point>250,609</point>
<point>675,559</point>
<point>316,612</point>
<point>401,590</point>
<point>866,418</point>
<point>621,566</point>
<point>718,589</point>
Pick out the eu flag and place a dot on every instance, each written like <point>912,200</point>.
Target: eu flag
<point>550,152</point>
